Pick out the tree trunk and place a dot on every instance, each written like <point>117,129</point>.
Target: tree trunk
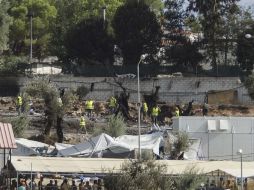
<point>59,129</point>
<point>50,123</point>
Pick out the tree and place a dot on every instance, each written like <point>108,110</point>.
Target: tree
<point>181,144</point>
<point>137,31</point>
<point>156,6</point>
<point>42,13</point>
<point>181,51</point>
<point>185,55</point>
<point>249,83</point>
<point>212,13</point>
<point>5,20</point>
<point>174,15</point>
<point>245,46</point>
<point>55,104</point>
<point>89,42</point>
<point>72,12</point>
<point>190,179</point>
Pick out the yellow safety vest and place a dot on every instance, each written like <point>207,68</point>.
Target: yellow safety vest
<point>60,102</point>
<point>145,107</point>
<point>177,113</point>
<point>19,100</point>
<point>82,122</point>
<point>112,102</point>
<point>155,111</point>
<point>89,105</point>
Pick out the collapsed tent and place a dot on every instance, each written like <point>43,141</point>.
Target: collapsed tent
<point>27,147</point>
<point>104,144</point>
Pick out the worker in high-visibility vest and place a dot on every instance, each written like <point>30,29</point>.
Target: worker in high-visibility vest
<point>155,113</point>
<point>19,104</point>
<point>144,111</point>
<point>89,107</point>
<point>112,104</point>
<point>177,112</point>
<point>82,124</point>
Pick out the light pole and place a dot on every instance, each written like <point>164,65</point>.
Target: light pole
<point>104,15</point>
<point>142,57</point>
<point>240,152</point>
<point>30,15</point>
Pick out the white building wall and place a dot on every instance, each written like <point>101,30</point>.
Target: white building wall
<point>220,144</point>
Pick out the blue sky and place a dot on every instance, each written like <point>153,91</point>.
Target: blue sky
<point>246,2</point>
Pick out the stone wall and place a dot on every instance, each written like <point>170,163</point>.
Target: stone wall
<point>172,89</point>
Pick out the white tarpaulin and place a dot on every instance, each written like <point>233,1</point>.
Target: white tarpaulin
<point>27,147</point>
<point>122,144</point>
<point>60,146</point>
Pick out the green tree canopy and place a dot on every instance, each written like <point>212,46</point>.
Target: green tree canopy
<point>181,51</point>
<point>156,6</point>
<point>137,31</point>
<point>4,25</point>
<point>72,12</point>
<point>43,13</point>
<point>245,46</point>
<point>89,42</point>
<point>211,18</point>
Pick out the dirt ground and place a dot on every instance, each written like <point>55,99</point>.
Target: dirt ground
<point>71,119</point>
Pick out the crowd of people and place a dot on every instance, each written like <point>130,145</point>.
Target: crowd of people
<point>54,185</point>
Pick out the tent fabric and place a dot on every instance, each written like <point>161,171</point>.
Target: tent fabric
<point>22,164</point>
<point>60,146</point>
<point>122,144</point>
<point>95,144</point>
<point>27,147</point>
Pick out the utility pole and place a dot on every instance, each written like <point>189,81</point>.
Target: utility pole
<point>30,15</point>
<point>31,38</point>
<point>104,15</point>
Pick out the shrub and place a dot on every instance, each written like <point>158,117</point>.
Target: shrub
<point>13,65</point>
<point>139,175</point>
<point>190,179</point>
<point>249,83</point>
<point>82,91</point>
<point>19,124</point>
<point>181,144</point>
<point>116,126</point>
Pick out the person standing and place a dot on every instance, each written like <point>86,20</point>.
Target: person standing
<point>205,109</point>
<point>144,111</point>
<point>155,113</point>
<point>112,104</point>
<point>73,185</point>
<point>19,104</point>
<point>65,185</point>
<point>177,112</point>
<point>89,107</point>
<point>50,185</point>
<point>22,186</point>
<point>33,184</point>
<point>82,124</point>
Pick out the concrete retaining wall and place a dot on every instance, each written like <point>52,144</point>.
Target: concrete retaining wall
<point>172,90</point>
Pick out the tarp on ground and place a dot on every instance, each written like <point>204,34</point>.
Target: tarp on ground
<point>194,151</point>
<point>27,147</point>
<point>60,146</point>
<point>120,145</point>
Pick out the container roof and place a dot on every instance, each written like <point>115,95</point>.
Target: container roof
<point>69,165</point>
